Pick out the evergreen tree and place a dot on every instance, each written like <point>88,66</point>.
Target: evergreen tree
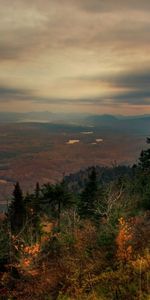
<point>142,179</point>
<point>63,199</point>
<point>37,191</point>
<point>56,198</point>
<point>47,199</point>
<point>144,160</point>
<point>89,197</point>
<point>16,211</point>
<point>33,214</point>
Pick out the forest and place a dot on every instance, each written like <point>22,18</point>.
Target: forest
<point>86,237</point>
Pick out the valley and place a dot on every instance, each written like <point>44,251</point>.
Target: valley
<point>45,152</point>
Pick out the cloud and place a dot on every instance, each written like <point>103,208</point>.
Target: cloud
<point>113,5</point>
<point>8,94</point>
<point>133,98</point>
<point>35,27</point>
<point>136,78</point>
<point>131,87</point>
<point>45,44</point>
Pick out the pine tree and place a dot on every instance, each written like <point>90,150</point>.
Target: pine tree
<point>63,199</point>
<point>56,198</point>
<point>144,159</point>
<point>89,197</point>
<point>16,211</point>
<point>142,179</point>
<point>37,191</point>
<point>33,214</point>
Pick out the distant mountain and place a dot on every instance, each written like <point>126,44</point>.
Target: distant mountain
<point>8,117</point>
<point>42,116</point>
<point>103,119</point>
<point>38,116</point>
<point>132,124</point>
<point>132,116</point>
<point>141,125</point>
<point>125,124</point>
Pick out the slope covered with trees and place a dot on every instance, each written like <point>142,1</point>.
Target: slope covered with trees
<point>87,237</point>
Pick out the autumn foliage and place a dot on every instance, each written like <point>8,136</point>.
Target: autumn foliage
<point>124,241</point>
<point>62,252</point>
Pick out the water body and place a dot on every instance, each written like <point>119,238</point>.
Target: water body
<point>2,181</point>
<point>87,132</point>
<point>71,142</point>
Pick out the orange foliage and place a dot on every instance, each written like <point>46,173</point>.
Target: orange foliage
<point>29,253</point>
<point>33,250</point>
<point>123,240</point>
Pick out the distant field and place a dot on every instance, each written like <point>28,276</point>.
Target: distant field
<point>31,152</point>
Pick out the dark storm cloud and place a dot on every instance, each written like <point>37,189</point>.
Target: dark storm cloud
<point>134,86</point>
<point>10,94</point>
<point>122,98</point>
<point>132,98</point>
<point>113,5</point>
<point>138,79</point>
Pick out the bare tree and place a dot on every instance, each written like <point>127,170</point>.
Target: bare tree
<point>111,200</point>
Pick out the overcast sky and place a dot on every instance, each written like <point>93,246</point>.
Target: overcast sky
<point>75,56</point>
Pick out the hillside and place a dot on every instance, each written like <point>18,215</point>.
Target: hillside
<point>86,237</point>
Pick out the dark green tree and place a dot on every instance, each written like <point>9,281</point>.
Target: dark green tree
<point>63,198</point>
<point>33,214</point>
<point>142,179</point>
<point>48,199</point>
<point>16,211</point>
<point>56,198</point>
<point>37,191</point>
<point>144,160</point>
<point>89,197</point>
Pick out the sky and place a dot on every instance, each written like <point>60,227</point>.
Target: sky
<point>83,56</point>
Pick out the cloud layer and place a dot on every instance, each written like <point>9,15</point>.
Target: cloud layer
<point>59,54</point>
